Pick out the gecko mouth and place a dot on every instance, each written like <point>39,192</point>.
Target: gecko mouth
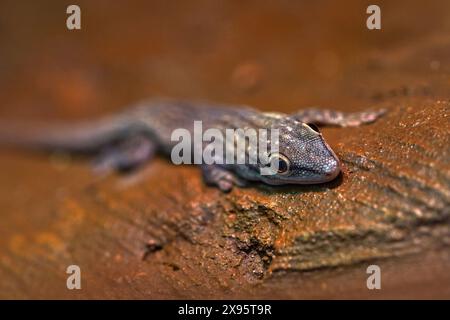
<point>313,176</point>
<point>317,179</point>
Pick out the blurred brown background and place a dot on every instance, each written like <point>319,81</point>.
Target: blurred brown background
<point>277,56</point>
<point>274,55</point>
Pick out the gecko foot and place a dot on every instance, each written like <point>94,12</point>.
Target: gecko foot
<point>125,156</point>
<point>221,178</point>
<point>337,118</point>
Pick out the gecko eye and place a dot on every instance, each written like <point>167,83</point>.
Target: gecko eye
<point>314,127</point>
<point>283,163</point>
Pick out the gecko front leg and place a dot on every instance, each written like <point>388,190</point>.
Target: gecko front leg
<point>129,154</point>
<point>337,118</point>
<point>222,178</point>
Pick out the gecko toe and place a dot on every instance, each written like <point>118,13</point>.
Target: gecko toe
<point>225,185</point>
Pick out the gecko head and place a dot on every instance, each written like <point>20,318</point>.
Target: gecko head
<point>303,156</point>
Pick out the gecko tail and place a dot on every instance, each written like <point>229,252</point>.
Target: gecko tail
<point>70,137</point>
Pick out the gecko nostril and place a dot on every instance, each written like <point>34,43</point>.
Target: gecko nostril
<point>333,168</point>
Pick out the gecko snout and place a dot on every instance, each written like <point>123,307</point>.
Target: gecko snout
<point>332,169</point>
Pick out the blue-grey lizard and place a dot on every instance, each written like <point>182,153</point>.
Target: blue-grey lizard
<point>130,138</point>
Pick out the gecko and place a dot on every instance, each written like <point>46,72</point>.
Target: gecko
<point>130,138</point>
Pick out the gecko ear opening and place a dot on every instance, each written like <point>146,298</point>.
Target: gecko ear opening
<point>314,127</point>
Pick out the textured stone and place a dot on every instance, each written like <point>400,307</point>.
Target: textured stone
<point>160,232</point>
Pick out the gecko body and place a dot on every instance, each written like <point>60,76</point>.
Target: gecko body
<point>130,138</point>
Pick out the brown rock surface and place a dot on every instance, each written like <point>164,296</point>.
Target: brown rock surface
<point>160,233</point>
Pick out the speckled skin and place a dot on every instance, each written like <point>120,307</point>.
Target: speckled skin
<point>131,138</point>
